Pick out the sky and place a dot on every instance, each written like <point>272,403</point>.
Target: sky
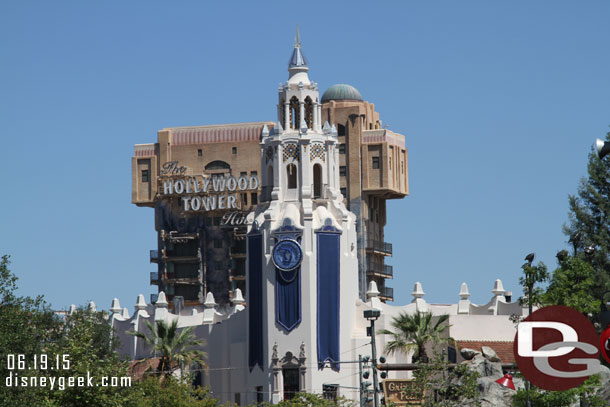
<point>499,103</point>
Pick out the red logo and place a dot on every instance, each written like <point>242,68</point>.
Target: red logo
<point>604,344</point>
<point>556,348</point>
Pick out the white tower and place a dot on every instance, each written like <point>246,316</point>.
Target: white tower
<point>302,263</point>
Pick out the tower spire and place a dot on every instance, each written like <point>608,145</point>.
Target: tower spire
<point>297,60</point>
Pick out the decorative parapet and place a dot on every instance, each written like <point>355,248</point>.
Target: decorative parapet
<point>383,136</point>
<point>144,150</point>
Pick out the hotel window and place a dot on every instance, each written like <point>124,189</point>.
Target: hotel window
<point>244,199</point>
<point>342,171</point>
<point>259,394</point>
<point>254,173</point>
<point>145,176</point>
<point>375,162</point>
<point>234,150</point>
<point>200,153</point>
<point>343,192</point>
<point>342,148</point>
<point>243,173</point>
<point>254,198</point>
<point>402,167</point>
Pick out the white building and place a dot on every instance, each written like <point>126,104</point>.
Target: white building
<point>303,315</point>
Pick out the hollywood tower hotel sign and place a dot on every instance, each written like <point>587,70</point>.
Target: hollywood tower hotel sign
<point>204,193</point>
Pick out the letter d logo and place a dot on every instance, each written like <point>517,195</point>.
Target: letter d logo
<point>526,338</point>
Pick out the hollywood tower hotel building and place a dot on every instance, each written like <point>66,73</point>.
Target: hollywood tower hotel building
<point>206,182</point>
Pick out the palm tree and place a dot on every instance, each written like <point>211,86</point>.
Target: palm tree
<point>413,332</point>
<point>175,348</point>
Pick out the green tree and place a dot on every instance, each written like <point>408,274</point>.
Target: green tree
<point>589,225</point>
<point>414,332</point>
<point>177,348</point>
<point>532,275</point>
<point>572,284</point>
<point>312,400</point>
<point>541,398</point>
<point>171,393</point>
<point>87,340</point>
<point>27,325</point>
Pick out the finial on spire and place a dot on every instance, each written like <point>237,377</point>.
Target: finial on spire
<point>297,39</point>
<point>297,60</point>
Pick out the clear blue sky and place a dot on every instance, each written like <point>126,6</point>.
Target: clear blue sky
<point>499,102</point>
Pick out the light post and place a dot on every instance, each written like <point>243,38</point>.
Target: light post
<point>602,147</point>
<point>372,315</point>
<point>530,288</point>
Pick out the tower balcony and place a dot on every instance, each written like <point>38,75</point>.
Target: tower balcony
<point>154,256</point>
<point>378,269</point>
<point>387,293</point>
<point>237,274</point>
<point>154,278</point>
<point>379,247</point>
<point>238,252</point>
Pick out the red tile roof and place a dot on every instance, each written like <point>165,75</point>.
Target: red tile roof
<point>139,368</point>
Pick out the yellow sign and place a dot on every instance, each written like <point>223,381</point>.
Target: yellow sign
<point>402,392</point>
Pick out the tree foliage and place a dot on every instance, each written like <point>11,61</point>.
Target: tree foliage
<point>532,275</point>
<point>541,398</point>
<point>437,385</point>
<point>573,284</point>
<point>171,393</point>
<point>589,220</point>
<point>27,325</point>
<point>177,348</point>
<point>312,400</point>
<point>414,332</point>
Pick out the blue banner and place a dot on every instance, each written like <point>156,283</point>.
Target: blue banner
<point>328,298</point>
<point>288,298</point>
<point>255,301</point>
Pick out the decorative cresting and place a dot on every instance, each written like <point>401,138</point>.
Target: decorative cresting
<point>291,150</point>
<point>317,151</point>
<point>328,269</point>
<point>255,298</point>
<point>287,256</point>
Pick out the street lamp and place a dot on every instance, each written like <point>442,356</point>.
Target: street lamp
<point>602,147</point>
<point>506,381</point>
<point>372,315</point>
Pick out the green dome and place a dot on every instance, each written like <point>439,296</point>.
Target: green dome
<point>341,92</point>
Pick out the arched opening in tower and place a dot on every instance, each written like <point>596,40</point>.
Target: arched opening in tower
<point>309,112</point>
<point>317,181</point>
<point>294,113</point>
<point>291,172</point>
